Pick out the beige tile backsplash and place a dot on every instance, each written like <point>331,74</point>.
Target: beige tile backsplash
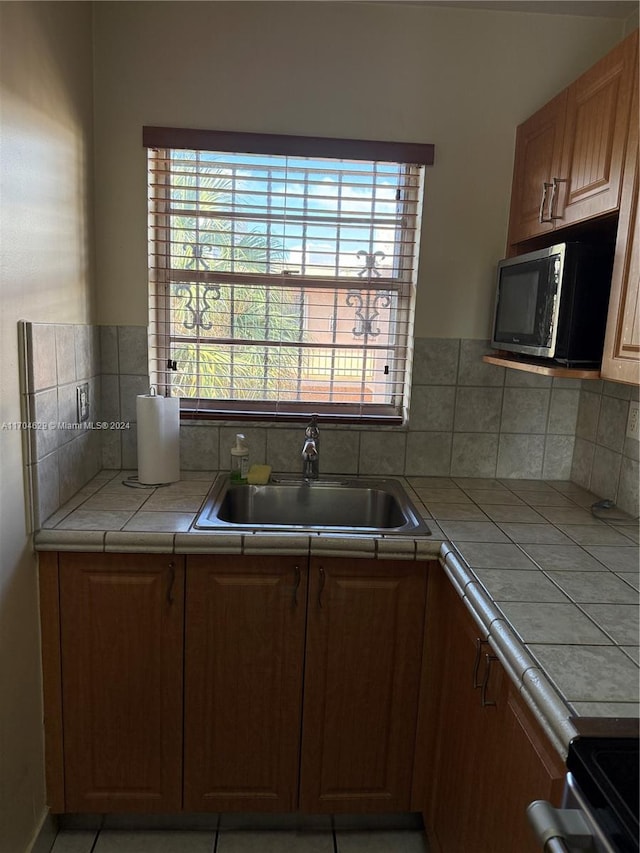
<point>59,459</point>
<point>605,460</point>
<point>468,419</point>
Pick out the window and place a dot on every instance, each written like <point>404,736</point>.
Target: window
<point>283,272</point>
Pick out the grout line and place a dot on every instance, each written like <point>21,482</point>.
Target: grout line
<point>453,418</point>
<point>216,835</point>
<point>97,835</point>
<point>333,834</point>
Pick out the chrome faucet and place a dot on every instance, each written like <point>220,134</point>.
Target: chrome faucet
<point>311,450</point>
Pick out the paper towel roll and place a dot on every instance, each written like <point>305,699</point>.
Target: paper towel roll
<point>158,439</point>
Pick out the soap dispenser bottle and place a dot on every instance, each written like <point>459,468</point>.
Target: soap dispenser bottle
<point>239,460</point>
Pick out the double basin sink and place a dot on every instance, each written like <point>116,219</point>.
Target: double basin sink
<point>292,504</point>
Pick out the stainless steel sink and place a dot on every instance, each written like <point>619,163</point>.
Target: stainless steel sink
<point>344,506</point>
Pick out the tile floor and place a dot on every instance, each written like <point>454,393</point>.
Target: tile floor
<point>239,841</point>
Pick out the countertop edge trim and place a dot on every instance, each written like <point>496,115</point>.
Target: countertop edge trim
<point>547,706</point>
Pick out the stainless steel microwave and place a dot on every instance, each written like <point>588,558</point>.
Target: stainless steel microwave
<point>552,303</point>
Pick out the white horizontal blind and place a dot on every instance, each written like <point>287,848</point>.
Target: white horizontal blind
<point>282,285</point>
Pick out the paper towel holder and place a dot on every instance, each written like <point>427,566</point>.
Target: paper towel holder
<point>158,439</point>
<point>133,483</point>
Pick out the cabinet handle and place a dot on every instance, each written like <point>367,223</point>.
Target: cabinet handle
<point>545,187</point>
<point>479,644</point>
<point>297,585</point>
<point>487,703</point>
<point>172,580</point>
<point>554,186</point>
<point>323,579</point>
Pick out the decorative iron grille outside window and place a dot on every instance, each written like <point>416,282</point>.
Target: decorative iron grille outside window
<point>282,283</point>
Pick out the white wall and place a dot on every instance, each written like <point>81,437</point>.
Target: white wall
<point>45,274</point>
<point>462,79</point>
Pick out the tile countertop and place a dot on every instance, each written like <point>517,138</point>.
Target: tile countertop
<point>554,588</point>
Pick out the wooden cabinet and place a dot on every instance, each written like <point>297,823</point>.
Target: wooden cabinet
<point>621,358</point>
<point>121,623</point>
<point>463,729</point>
<point>245,655</point>
<point>362,678</point>
<point>117,627</point>
<point>596,130</point>
<point>576,177</point>
<point>570,154</point>
<point>482,757</point>
<point>525,767</point>
<point>538,159</point>
<point>244,652</point>
<point>303,688</point>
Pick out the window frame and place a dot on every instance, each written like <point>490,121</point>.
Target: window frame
<point>160,278</point>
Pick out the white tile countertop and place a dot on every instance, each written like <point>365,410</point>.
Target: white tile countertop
<point>554,587</point>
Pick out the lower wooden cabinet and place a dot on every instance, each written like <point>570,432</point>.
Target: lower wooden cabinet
<point>244,654</point>
<point>229,683</point>
<point>525,768</point>
<point>361,686</point>
<point>482,757</point>
<point>116,629</point>
<point>121,631</point>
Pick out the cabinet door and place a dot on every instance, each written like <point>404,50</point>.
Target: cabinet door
<point>244,646</point>
<point>467,691</point>
<point>598,112</point>
<point>121,654</point>
<point>537,162</point>
<point>486,757</point>
<point>523,768</point>
<point>621,358</point>
<point>362,671</point>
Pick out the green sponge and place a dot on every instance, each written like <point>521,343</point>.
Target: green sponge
<point>258,475</point>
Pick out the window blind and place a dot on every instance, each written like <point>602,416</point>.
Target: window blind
<point>282,283</point>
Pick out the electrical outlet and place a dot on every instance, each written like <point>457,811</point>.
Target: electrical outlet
<point>82,402</point>
<point>633,421</point>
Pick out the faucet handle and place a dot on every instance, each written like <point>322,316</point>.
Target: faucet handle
<point>312,430</point>
<point>310,449</point>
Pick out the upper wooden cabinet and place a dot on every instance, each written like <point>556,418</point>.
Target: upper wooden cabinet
<point>538,158</point>
<point>598,114</point>
<point>621,357</point>
<point>570,154</point>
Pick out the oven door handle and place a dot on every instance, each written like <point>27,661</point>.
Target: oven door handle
<point>556,845</point>
<point>559,830</point>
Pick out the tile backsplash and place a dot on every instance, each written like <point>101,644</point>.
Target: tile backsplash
<point>468,419</point>
<point>605,460</point>
<point>60,455</point>
<point>125,374</point>
<point>471,419</point>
